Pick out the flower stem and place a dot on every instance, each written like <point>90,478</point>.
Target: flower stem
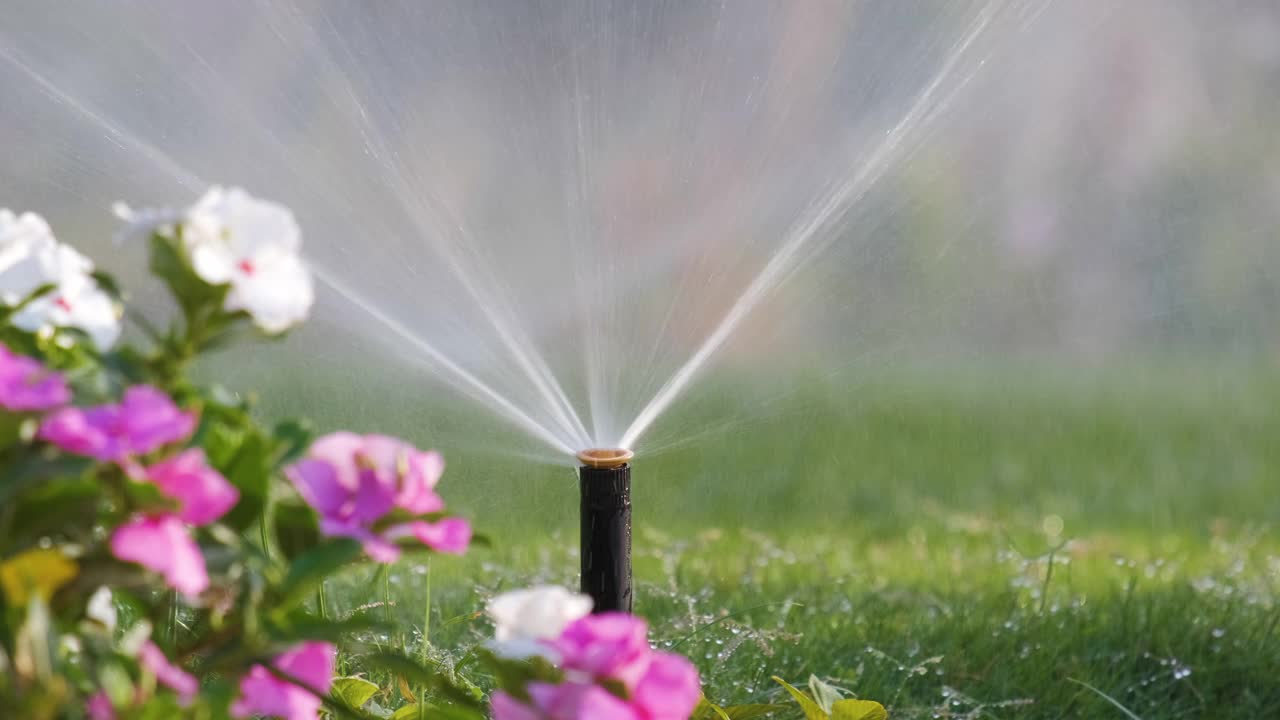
<point>386,604</point>
<point>171,619</point>
<point>425,650</point>
<point>426,616</point>
<point>322,603</point>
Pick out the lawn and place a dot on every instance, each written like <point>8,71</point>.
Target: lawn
<point>966,544</point>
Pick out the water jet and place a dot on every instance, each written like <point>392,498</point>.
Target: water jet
<point>605,527</point>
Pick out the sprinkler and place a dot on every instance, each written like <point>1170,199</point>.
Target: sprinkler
<point>605,484</point>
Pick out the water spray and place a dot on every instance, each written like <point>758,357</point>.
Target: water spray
<point>605,484</point>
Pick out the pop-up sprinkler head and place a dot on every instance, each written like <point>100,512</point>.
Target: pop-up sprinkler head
<point>605,484</point>
<point>605,457</point>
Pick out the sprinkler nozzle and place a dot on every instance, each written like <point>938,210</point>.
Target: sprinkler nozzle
<point>605,485</point>
<point>605,457</point>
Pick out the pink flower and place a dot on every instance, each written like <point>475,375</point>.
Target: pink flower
<point>668,690</point>
<point>262,693</point>
<point>144,421</point>
<point>204,495</point>
<point>504,707</point>
<point>566,701</point>
<point>413,472</point>
<point>161,544</point>
<point>99,707</point>
<point>579,701</point>
<point>449,535</point>
<point>153,659</point>
<point>610,645</point>
<point>26,385</point>
<point>354,481</point>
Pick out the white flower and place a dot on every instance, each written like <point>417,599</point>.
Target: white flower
<point>525,619</point>
<point>141,224</point>
<point>252,245</point>
<point>102,608</point>
<point>23,239</point>
<point>27,229</point>
<point>30,257</point>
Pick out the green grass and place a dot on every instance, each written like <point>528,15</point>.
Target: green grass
<point>963,545</point>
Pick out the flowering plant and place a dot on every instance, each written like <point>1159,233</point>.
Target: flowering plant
<point>158,544</point>
<point>556,662</point>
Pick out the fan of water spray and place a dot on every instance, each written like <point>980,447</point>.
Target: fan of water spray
<point>565,211</point>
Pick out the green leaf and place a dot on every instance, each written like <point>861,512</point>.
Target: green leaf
<point>707,710</point>
<point>161,706</point>
<point>114,679</point>
<point>57,506</point>
<point>823,694</point>
<point>309,569</point>
<point>298,626</point>
<point>354,691</point>
<point>858,710</point>
<point>296,530</point>
<point>33,470</point>
<point>147,498</point>
<point>250,470</point>
<point>412,712</point>
<point>107,283</point>
<point>515,674</point>
<point>455,712</point>
<point>401,666</point>
<point>129,363</point>
<point>751,711</point>
<point>170,263</point>
<point>10,429</point>
<point>293,437</point>
<point>436,712</point>
<point>8,311</point>
<point>462,702</point>
<point>811,709</point>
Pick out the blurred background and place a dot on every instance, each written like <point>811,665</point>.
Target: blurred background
<point>1003,211</point>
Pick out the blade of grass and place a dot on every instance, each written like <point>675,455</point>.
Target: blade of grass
<point>1108,698</point>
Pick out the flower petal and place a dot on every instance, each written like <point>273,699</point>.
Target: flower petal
<point>450,535</point>
<point>527,621</point>
<point>669,689</point>
<point>312,663</point>
<point>579,701</point>
<point>378,548</point>
<point>262,693</point>
<point>278,294</point>
<point>203,493</point>
<point>505,707</point>
<point>83,432</point>
<point>99,707</point>
<point>317,482</point>
<point>339,449</point>
<point>375,496</point>
<point>162,544</point>
<point>27,385</point>
<point>171,676</point>
<point>610,645</point>
<point>150,420</point>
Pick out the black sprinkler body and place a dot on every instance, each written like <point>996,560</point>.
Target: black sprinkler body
<point>605,485</point>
